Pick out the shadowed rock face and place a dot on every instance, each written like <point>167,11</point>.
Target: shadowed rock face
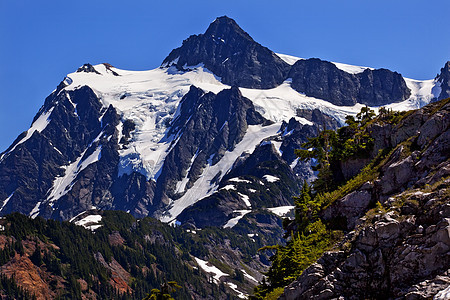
<point>208,126</point>
<point>230,53</point>
<point>322,79</point>
<point>444,80</point>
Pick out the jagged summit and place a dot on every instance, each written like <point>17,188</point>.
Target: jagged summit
<point>88,68</point>
<point>230,53</point>
<point>226,27</point>
<point>324,80</point>
<point>444,80</point>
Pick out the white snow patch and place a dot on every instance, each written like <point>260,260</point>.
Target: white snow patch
<point>216,273</point>
<point>351,68</point>
<point>90,222</point>
<point>249,276</point>
<point>228,187</point>
<point>62,185</point>
<point>294,163</point>
<point>151,101</point>
<point>35,211</point>
<point>202,187</point>
<point>93,227</point>
<point>119,129</point>
<point>422,92</point>
<point>73,218</point>
<point>303,121</point>
<point>281,103</point>
<point>237,179</point>
<point>89,219</point>
<point>443,295</point>
<point>246,199</point>
<point>252,190</point>
<point>57,150</point>
<point>234,287</point>
<point>73,104</point>
<point>281,211</point>
<point>288,58</point>
<point>270,178</point>
<point>233,221</point>
<point>277,147</point>
<point>6,201</point>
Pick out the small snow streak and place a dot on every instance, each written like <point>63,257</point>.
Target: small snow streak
<point>6,201</point>
<point>39,125</point>
<point>62,185</point>
<point>233,221</point>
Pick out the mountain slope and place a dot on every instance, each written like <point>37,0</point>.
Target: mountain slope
<point>392,217</point>
<point>124,258</point>
<point>322,79</point>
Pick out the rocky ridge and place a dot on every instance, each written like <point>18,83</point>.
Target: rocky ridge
<point>444,81</point>
<point>400,248</point>
<point>323,80</point>
<point>230,53</point>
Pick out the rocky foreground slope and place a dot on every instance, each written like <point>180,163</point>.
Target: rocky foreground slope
<point>398,224</point>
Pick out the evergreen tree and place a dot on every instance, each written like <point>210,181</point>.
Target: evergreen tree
<point>164,292</point>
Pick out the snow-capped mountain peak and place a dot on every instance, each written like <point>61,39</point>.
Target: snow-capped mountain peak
<point>165,142</point>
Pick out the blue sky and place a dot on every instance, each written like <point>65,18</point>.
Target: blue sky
<point>42,41</point>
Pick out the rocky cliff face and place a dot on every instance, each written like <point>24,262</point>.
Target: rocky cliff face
<point>400,248</point>
<point>444,80</point>
<point>32,162</point>
<point>230,53</point>
<point>207,127</point>
<point>322,79</point>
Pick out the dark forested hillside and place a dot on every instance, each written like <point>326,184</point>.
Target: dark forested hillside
<point>123,259</point>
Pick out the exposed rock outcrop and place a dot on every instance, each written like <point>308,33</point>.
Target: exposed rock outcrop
<point>207,127</point>
<point>444,81</point>
<point>322,79</point>
<point>28,276</point>
<point>230,53</point>
<point>400,248</point>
